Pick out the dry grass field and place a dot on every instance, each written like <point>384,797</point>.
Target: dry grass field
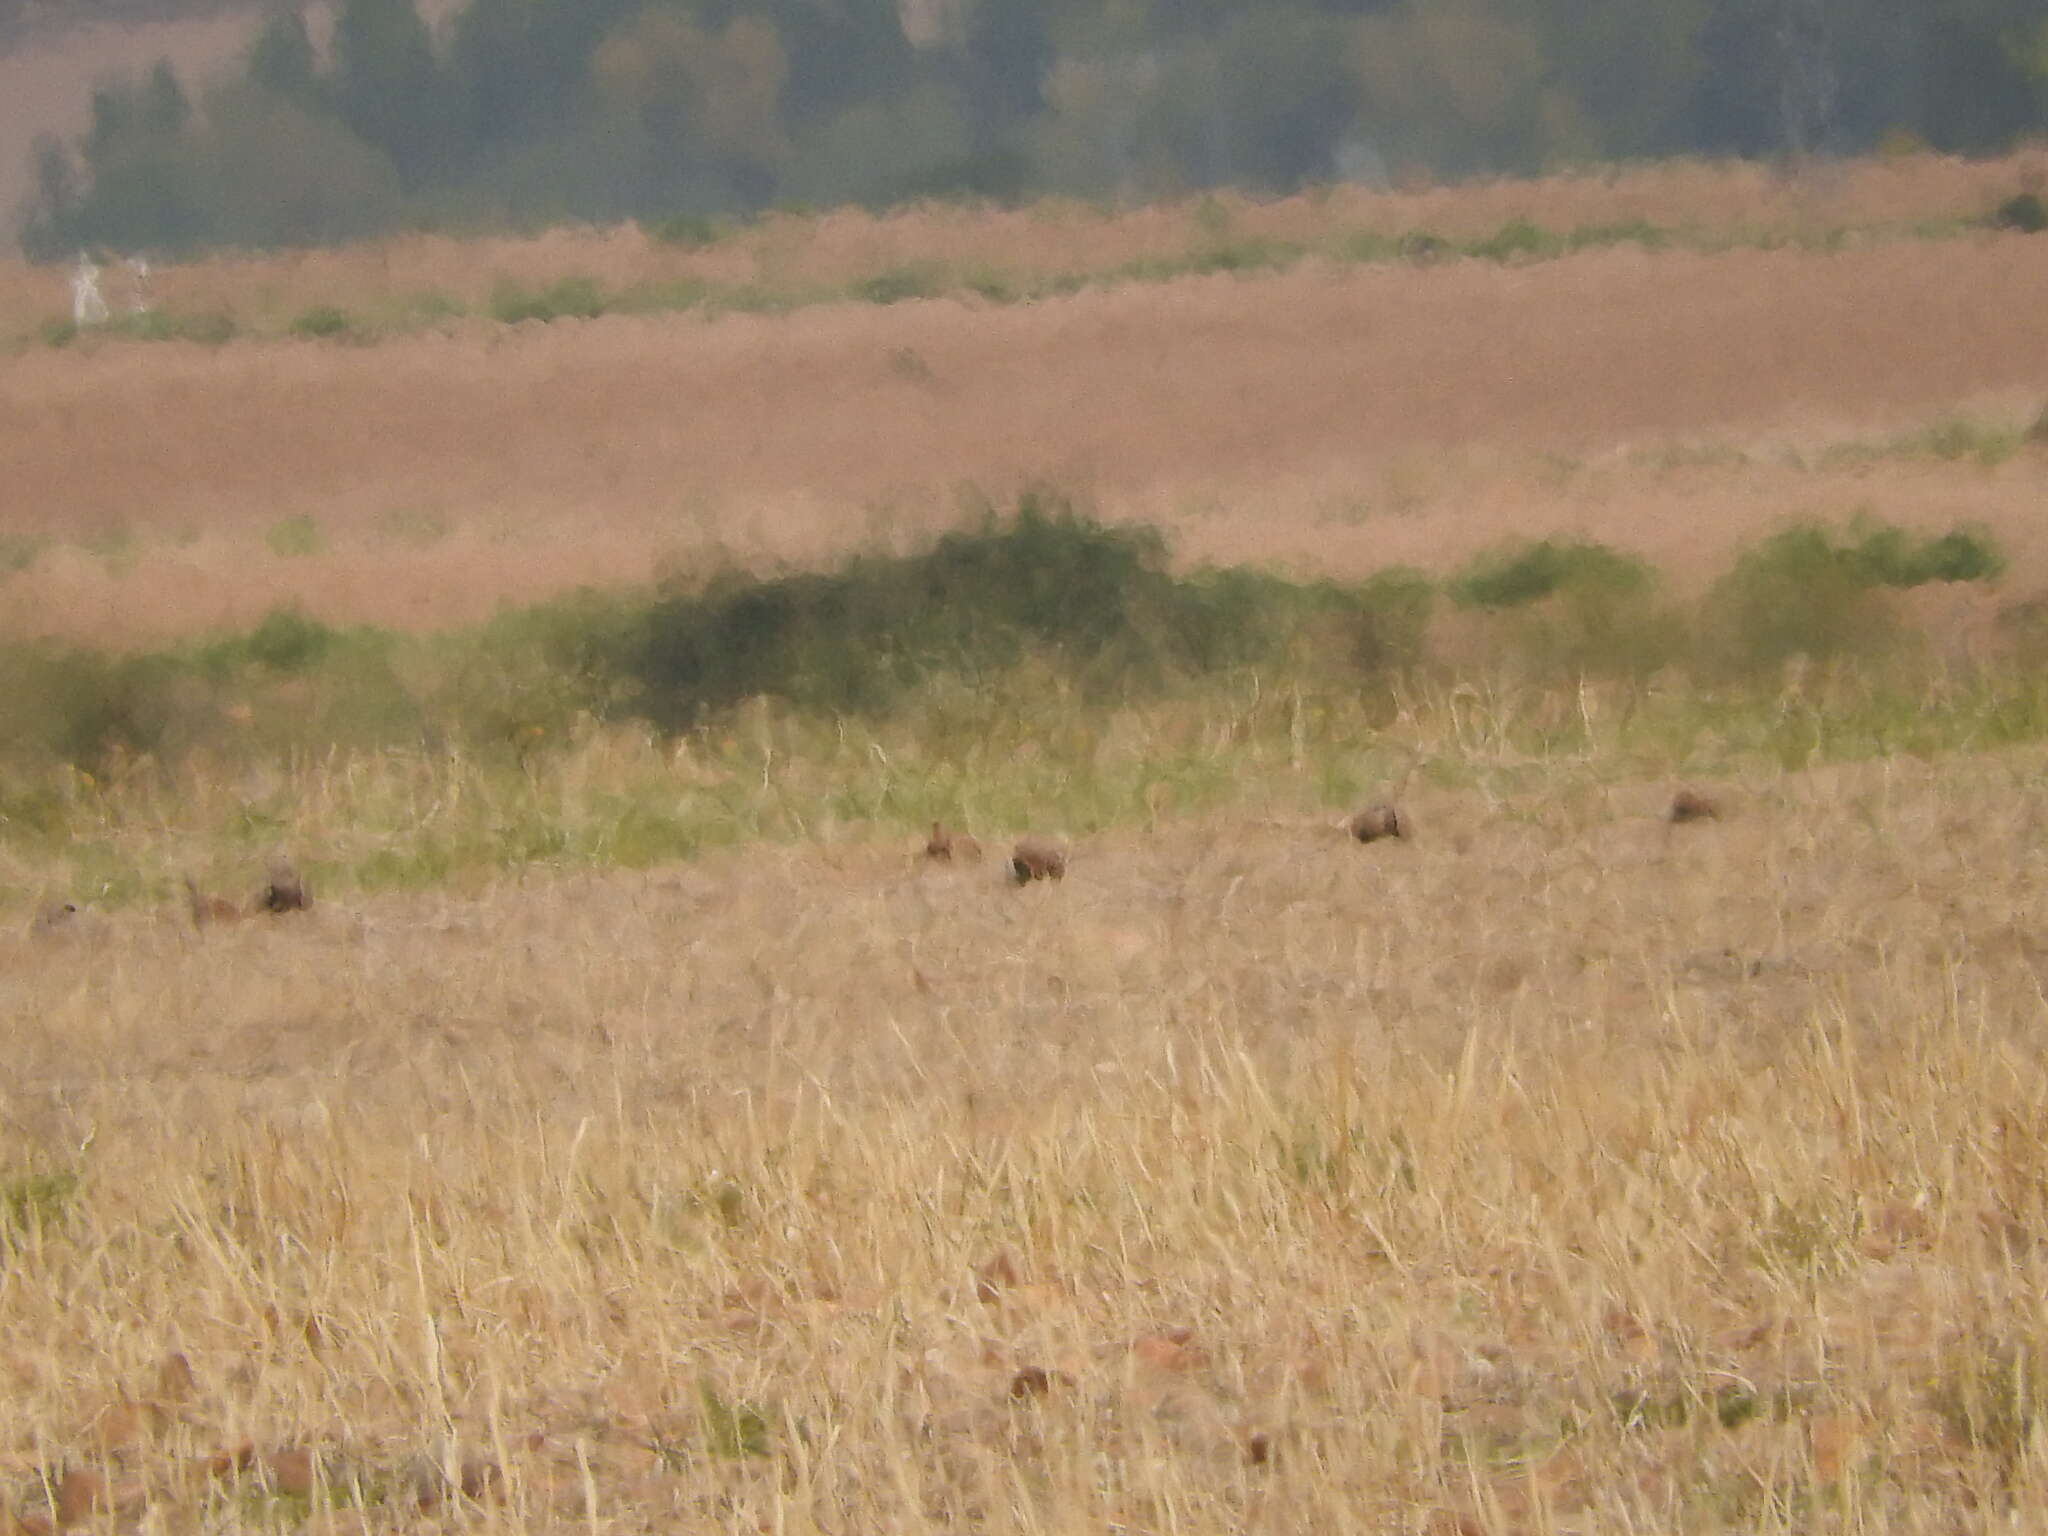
<point>1555,1169</point>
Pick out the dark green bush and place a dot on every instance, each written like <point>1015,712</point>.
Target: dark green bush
<point>322,322</point>
<point>83,707</point>
<point>287,641</point>
<point>1571,607</point>
<point>1523,573</point>
<point>2025,212</point>
<point>1805,591</point>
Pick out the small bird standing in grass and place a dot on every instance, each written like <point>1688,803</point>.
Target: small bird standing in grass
<point>1035,859</point>
<point>285,890</point>
<point>1374,823</point>
<point>1690,805</point>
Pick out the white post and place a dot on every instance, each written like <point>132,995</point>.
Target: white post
<point>87,307</point>
<point>138,285</point>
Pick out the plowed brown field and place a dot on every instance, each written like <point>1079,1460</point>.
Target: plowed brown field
<point>1345,417</point>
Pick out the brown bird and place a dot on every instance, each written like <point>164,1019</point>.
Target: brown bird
<point>284,891</point>
<point>1034,859</point>
<point>1691,805</point>
<point>948,846</point>
<point>209,909</point>
<point>1374,823</point>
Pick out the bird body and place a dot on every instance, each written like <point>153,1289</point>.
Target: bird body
<point>1035,859</point>
<point>1690,805</point>
<point>284,891</point>
<point>1374,823</point>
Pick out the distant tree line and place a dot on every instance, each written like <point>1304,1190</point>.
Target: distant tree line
<point>527,111</point>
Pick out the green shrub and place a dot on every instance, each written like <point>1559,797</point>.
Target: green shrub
<point>1571,608</point>
<point>1518,239</point>
<point>1888,556</point>
<point>323,322</point>
<point>287,641</point>
<point>568,298</point>
<point>58,332</point>
<point>1522,573</point>
<point>84,708</point>
<point>1802,593</point>
<point>2025,212</point>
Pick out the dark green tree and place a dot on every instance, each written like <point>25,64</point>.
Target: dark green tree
<point>390,88</point>
<point>281,60</point>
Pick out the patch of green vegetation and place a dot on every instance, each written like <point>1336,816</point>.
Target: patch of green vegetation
<point>1034,662</point>
<point>1806,591</point>
<point>1526,572</point>
<point>325,322</point>
<point>287,641</point>
<point>568,298</point>
<point>33,1205</point>
<point>1518,240</point>
<point>296,538</point>
<point>428,307</point>
<point>2024,212</point>
<point>900,284</point>
<point>733,1431</point>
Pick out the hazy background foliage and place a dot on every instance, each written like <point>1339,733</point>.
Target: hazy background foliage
<point>529,111</point>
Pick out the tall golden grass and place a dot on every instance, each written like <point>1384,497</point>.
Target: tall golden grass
<point>1556,1169</point>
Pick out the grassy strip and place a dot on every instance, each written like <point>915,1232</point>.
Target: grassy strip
<point>578,297</point>
<point>1038,669</point>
